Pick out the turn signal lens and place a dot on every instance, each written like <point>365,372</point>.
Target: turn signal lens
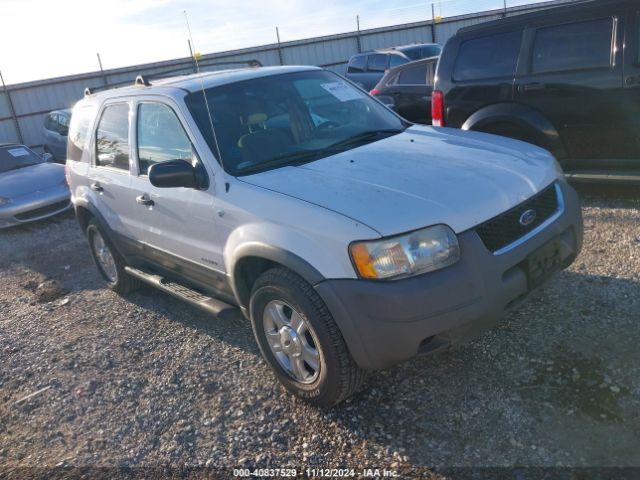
<point>406,255</point>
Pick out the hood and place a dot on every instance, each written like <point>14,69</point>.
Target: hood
<point>23,181</point>
<point>423,176</point>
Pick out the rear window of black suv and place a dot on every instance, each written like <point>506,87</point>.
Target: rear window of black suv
<point>492,56</point>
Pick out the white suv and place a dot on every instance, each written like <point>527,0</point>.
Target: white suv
<point>351,239</point>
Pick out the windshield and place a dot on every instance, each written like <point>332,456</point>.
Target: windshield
<point>289,119</point>
<point>17,156</point>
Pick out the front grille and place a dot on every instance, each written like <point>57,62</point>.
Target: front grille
<point>506,228</point>
<point>43,211</point>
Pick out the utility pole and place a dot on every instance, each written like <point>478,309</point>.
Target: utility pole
<point>358,35</point>
<point>279,47</point>
<point>12,109</point>
<point>504,11</point>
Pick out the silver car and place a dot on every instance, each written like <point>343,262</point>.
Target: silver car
<point>31,188</point>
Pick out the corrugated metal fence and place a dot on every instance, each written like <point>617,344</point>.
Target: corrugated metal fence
<point>24,106</point>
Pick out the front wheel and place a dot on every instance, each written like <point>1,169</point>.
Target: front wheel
<point>300,340</point>
<point>109,263</point>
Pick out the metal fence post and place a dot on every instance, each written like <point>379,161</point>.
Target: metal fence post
<point>433,24</point>
<point>13,110</point>
<point>358,34</point>
<point>279,47</point>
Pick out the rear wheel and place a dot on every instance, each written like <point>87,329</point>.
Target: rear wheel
<point>109,263</point>
<point>300,340</point>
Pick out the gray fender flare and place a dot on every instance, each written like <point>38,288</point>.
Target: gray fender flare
<point>274,254</point>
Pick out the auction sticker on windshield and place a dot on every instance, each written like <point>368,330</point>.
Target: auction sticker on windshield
<point>341,91</point>
<point>18,152</point>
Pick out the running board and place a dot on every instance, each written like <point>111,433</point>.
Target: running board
<point>197,299</point>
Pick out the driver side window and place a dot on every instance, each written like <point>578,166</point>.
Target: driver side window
<point>161,137</point>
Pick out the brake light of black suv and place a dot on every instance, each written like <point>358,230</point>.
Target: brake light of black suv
<point>437,108</point>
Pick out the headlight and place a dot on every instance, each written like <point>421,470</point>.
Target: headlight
<point>3,201</point>
<point>410,254</point>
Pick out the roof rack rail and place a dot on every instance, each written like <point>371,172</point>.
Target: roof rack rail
<point>142,80</point>
<point>145,80</point>
<point>252,63</point>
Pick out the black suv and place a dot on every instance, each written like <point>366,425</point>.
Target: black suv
<point>566,79</point>
<point>366,69</point>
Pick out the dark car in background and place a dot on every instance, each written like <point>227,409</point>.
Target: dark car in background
<point>407,89</point>
<point>55,131</point>
<point>566,79</point>
<point>366,69</point>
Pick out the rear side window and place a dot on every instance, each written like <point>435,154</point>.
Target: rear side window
<point>112,137</point>
<point>377,62</point>
<point>357,64</point>
<point>78,139</point>
<point>49,122</point>
<point>431,51</point>
<point>488,57</point>
<point>397,60</point>
<point>573,46</point>
<point>414,53</point>
<point>416,75</point>
<point>161,136</point>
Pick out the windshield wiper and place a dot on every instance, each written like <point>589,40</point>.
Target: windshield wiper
<point>290,159</point>
<point>368,135</point>
<point>305,156</point>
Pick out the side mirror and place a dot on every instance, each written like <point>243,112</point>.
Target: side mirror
<point>173,174</point>
<point>47,157</point>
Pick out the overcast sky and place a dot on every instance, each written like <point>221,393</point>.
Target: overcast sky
<point>45,38</point>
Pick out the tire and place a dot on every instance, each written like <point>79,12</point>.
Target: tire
<point>280,292</point>
<point>113,272</point>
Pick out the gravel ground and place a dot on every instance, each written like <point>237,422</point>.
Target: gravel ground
<point>149,381</point>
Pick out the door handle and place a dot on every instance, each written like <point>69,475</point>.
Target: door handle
<point>96,187</point>
<point>144,200</point>
<point>531,87</point>
<point>631,80</point>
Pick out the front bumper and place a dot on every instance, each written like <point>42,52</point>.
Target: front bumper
<point>384,323</point>
<point>37,206</point>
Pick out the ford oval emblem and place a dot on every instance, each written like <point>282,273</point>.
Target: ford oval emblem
<point>527,217</point>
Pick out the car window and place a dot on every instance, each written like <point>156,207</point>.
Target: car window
<point>161,137</point>
<point>63,125</point>
<point>301,116</point>
<point>377,62</point>
<point>431,73</point>
<point>78,139</point>
<point>13,157</point>
<point>413,53</point>
<point>431,51</point>
<point>573,46</point>
<point>112,137</point>
<point>48,122</point>
<point>397,60</point>
<point>416,75</point>
<point>488,57</point>
<point>357,64</point>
